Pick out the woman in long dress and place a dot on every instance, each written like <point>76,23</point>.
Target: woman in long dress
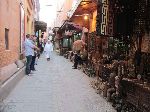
<point>48,49</point>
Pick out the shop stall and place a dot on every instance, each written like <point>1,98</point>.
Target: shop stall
<point>69,33</point>
<point>123,29</point>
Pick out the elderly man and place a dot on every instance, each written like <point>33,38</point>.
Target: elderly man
<point>29,52</point>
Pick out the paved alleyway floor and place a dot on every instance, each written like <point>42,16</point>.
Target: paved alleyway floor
<point>55,87</point>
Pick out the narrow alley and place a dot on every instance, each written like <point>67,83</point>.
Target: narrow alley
<point>55,87</point>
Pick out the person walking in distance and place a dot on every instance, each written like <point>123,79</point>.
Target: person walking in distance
<point>48,49</point>
<point>29,52</point>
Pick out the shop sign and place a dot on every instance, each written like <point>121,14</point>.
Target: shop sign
<point>104,23</point>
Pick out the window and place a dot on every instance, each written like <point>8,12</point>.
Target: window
<point>6,38</point>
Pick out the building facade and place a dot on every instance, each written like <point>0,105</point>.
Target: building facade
<point>29,16</point>
<point>16,20</point>
<point>10,40</point>
<point>78,14</point>
<point>37,10</point>
<point>63,11</point>
<point>9,31</point>
<point>75,10</point>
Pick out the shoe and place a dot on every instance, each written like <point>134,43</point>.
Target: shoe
<point>74,68</point>
<point>79,68</point>
<point>34,70</point>
<point>28,74</point>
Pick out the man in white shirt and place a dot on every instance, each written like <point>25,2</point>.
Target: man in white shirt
<point>29,52</point>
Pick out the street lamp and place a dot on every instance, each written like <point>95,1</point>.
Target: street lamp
<point>86,17</point>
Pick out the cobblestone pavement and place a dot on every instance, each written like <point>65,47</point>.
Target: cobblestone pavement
<point>55,87</point>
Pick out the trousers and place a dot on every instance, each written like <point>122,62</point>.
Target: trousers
<point>33,63</point>
<point>28,64</point>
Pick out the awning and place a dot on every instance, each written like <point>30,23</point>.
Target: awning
<point>76,26</point>
<point>70,26</point>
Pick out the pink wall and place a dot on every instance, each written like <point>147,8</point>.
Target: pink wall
<point>10,19</point>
